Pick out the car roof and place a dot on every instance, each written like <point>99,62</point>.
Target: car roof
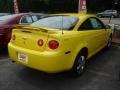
<point>77,14</point>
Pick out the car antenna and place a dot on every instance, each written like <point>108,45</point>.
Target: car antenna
<point>112,10</point>
<point>62,25</point>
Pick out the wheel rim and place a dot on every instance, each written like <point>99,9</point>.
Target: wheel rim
<point>81,64</point>
<point>109,42</point>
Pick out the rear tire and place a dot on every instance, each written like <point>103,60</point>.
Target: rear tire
<point>79,65</point>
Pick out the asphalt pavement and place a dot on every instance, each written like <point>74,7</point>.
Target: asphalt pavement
<point>112,21</point>
<point>101,74</point>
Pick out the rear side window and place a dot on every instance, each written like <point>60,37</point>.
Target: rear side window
<point>96,24</point>
<point>92,24</point>
<point>86,25</point>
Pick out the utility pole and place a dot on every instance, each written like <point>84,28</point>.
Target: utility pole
<point>16,9</point>
<point>82,7</point>
<point>115,3</point>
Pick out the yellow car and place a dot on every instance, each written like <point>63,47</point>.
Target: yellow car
<point>59,43</point>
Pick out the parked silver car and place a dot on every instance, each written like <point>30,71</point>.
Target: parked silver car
<point>108,13</point>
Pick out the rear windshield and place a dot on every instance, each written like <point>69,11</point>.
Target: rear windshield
<point>3,19</point>
<point>57,22</point>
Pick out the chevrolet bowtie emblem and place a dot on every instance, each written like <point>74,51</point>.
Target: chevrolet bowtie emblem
<point>24,40</point>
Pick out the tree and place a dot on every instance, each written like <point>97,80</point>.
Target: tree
<point>6,6</point>
<point>56,5</point>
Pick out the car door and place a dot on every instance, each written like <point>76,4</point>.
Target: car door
<point>93,32</point>
<point>101,32</point>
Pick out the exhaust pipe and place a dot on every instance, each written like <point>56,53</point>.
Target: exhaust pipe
<point>13,61</point>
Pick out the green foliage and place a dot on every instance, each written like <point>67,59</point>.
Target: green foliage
<point>6,6</point>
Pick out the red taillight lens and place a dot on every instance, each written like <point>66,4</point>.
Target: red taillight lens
<point>53,44</point>
<point>40,42</point>
<point>13,37</point>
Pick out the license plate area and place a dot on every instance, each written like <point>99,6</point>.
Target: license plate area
<point>22,57</point>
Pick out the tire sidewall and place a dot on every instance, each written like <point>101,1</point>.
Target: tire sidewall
<point>75,71</point>
<point>109,42</point>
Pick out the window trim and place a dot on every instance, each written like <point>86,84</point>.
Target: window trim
<point>103,25</point>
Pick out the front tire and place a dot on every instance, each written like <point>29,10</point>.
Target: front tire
<point>112,16</point>
<point>79,65</point>
<point>109,42</point>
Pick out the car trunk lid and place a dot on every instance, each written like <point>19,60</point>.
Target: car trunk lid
<point>29,37</point>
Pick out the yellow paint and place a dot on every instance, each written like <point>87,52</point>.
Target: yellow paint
<point>52,61</point>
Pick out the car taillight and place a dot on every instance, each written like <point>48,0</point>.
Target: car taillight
<point>53,44</point>
<point>13,37</point>
<point>40,42</point>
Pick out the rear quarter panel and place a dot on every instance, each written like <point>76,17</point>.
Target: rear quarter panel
<point>74,41</point>
<point>70,41</point>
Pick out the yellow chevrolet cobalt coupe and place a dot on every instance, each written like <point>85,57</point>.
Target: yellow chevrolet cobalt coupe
<point>59,43</point>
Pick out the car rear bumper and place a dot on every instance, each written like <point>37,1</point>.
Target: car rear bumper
<point>50,62</point>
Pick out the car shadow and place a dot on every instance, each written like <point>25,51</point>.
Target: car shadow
<point>59,81</point>
<point>97,68</point>
<point>3,53</point>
